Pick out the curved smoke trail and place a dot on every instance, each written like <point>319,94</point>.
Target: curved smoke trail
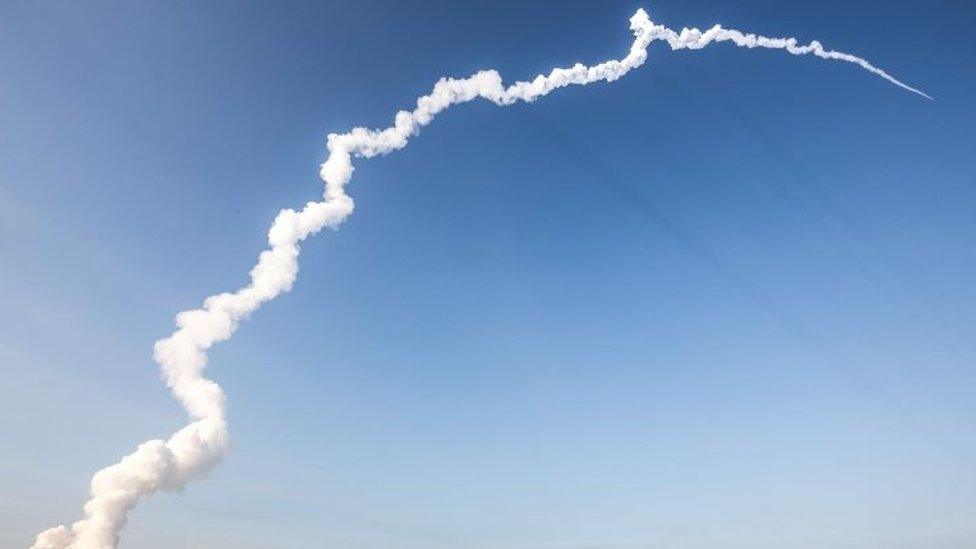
<point>169,464</point>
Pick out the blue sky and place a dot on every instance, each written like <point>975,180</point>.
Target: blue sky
<point>726,301</point>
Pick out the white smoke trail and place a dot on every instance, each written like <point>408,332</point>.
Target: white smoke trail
<point>169,464</point>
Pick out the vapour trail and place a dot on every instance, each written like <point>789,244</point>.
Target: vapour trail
<point>167,465</point>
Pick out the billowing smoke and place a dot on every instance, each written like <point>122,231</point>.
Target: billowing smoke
<point>169,464</point>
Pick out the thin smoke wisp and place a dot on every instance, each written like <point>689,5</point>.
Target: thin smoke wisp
<point>167,465</point>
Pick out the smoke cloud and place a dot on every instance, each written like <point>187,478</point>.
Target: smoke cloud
<point>167,465</point>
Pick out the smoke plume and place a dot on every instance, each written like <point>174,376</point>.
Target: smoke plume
<point>160,465</point>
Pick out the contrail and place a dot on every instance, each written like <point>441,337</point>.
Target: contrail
<point>159,465</point>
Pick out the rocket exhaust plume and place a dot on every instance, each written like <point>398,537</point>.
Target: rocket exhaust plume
<point>159,465</point>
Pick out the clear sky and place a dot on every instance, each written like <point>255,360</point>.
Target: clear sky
<point>725,302</point>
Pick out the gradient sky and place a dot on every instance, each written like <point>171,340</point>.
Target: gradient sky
<point>726,302</point>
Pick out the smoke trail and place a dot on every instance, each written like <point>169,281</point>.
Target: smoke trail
<point>159,465</point>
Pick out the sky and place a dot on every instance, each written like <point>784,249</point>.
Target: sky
<point>725,301</point>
